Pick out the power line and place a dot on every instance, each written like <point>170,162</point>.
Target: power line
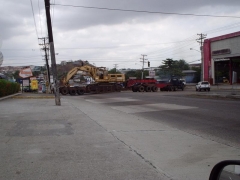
<point>107,47</point>
<point>144,11</point>
<point>35,23</point>
<point>34,19</point>
<point>223,28</point>
<point>40,17</point>
<point>52,11</point>
<point>126,45</point>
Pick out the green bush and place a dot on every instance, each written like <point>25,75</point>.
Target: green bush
<point>8,88</point>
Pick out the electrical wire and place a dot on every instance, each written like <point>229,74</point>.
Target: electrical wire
<point>144,11</point>
<point>40,17</point>
<point>52,12</point>
<point>223,28</point>
<point>34,19</point>
<point>35,25</point>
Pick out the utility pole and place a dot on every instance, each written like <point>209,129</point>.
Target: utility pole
<point>200,41</point>
<point>143,61</point>
<point>52,52</point>
<point>115,66</point>
<point>45,49</point>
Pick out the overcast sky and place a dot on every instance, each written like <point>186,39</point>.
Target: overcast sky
<point>108,37</point>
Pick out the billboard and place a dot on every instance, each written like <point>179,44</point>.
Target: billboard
<point>25,72</point>
<point>34,84</point>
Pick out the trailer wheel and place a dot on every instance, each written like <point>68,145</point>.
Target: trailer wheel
<point>148,89</point>
<point>64,91</point>
<point>97,90</point>
<point>154,89</point>
<point>134,89</point>
<point>80,91</point>
<point>109,88</point>
<point>91,88</point>
<point>170,88</point>
<point>72,91</point>
<point>141,89</point>
<point>118,88</point>
<point>104,88</point>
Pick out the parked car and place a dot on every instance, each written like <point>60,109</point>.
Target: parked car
<point>203,85</point>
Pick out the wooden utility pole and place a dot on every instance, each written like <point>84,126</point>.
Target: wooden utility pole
<point>115,66</point>
<point>52,52</point>
<point>200,41</point>
<point>143,61</point>
<point>45,49</point>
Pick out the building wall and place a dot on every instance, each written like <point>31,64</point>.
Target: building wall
<point>232,43</point>
<point>228,41</point>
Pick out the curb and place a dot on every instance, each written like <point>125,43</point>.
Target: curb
<point>9,96</point>
<point>15,96</point>
<point>217,96</point>
<point>33,97</point>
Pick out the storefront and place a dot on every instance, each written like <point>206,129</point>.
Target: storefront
<point>221,56</point>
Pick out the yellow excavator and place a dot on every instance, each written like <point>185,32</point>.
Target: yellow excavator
<point>104,82</point>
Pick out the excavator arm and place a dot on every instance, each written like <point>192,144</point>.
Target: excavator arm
<point>89,69</point>
<point>99,74</point>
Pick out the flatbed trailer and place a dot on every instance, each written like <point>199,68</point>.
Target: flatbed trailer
<point>141,85</point>
<point>148,85</point>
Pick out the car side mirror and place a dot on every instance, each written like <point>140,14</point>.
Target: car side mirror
<point>229,169</point>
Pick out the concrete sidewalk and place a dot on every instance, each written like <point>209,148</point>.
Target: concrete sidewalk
<point>39,140</point>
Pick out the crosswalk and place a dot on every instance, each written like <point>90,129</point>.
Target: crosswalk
<point>140,107</point>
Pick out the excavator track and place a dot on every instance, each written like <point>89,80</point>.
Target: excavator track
<point>92,89</point>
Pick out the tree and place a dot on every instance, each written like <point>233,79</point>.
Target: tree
<point>113,71</point>
<point>16,74</point>
<point>182,64</point>
<point>172,67</point>
<point>197,77</point>
<point>137,74</point>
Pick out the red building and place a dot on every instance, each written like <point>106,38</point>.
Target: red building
<point>221,59</point>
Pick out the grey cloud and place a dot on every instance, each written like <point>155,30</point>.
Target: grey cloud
<point>75,18</point>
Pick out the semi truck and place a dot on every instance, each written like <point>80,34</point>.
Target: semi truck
<point>152,85</point>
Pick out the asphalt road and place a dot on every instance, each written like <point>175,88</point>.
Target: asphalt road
<point>214,119</point>
<point>177,133</point>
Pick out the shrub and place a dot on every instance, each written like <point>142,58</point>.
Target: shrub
<point>8,88</point>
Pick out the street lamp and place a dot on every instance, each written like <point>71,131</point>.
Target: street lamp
<point>194,61</point>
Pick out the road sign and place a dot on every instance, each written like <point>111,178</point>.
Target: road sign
<point>151,73</point>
